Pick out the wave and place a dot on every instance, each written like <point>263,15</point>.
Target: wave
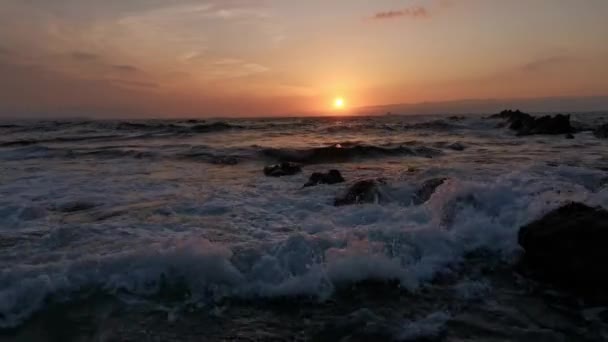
<point>27,142</point>
<point>412,246</point>
<point>439,125</point>
<point>340,153</point>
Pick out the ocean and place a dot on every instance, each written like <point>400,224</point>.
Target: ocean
<point>168,230</point>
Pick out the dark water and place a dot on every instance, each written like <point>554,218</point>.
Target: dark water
<point>169,230</point>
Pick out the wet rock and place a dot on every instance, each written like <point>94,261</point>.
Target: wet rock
<point>569,136</point>
<point>601,132</point>
<point>526,124</point>
<point>331,177</point>
<point>558,124</point>
<point>456,147</point>
<point>283,169</point>
<point>510,115</point>
<point>568,246</point>
<point>365,191</point>
<point>426,190</point>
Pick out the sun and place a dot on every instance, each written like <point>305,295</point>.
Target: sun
<point>339,103</point>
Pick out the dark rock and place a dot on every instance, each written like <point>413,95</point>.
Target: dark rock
<point>509,115</point>
<point>526,124</point>
<point>456,147</point>
<point>426,190</point>
<point>569,136</point>
<point>568,247</point>
<point>558,124</point>
<point>365,191</point>
<point>283,169</point>
<point>331,177</point>
<point>601,132</point>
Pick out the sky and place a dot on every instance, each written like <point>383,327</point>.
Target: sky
<point>187,58</point>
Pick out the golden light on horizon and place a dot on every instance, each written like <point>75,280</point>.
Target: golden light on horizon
<point>339,103</point>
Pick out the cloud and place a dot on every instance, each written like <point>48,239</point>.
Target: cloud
<point>234,68</point>
<point>412,12</point>
<point>547,62</point>
<point>125,68</point>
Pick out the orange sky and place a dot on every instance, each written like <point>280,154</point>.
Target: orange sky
<point>269,57</point>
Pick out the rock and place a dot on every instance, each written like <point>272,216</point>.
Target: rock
<point>509,115</point>
<point>601,132</point>
<point>365,191</point>
<point>569,136</point>
<point>526,124</point>
<point>568,247</point>
<point>331,177</point>
<point>456,147</point>
<point>283,169</point>
<point>558,124</point>
<point>426,190</point>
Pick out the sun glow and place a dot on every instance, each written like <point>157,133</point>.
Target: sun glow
<point>339,103</point>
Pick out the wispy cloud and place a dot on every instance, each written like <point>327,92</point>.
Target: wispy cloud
<point>412,12</point>
<point>547,62</point>
<point>234,68</point>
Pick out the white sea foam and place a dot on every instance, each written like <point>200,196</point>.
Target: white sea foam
<point>228,231</point>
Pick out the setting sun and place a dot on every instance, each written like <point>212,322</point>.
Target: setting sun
<point>339,103</point>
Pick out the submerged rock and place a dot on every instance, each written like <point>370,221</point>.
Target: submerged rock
<point>601,132</point>
<point>283,169</point>
<point>426,190</point>
<point>365,191</point>
<point>526,124</point>
<point>568,247</point>
<point>331,177</point>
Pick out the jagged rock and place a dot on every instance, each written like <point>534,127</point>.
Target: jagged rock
<point>365,191</point>
<point>568,247</point>
<point>331,177</point>
<point>601,132</point>
<point>526,124</point>
<point>283,169</point>
<point>426,190</point>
